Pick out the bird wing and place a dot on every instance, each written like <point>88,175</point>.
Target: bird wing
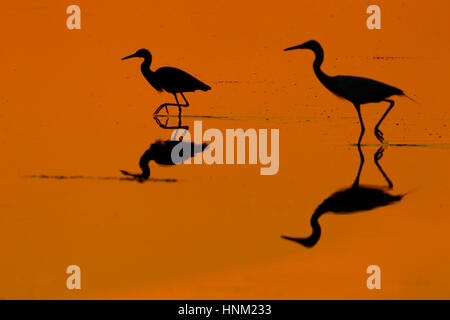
<point>363,90</point>
<point>175,80</point>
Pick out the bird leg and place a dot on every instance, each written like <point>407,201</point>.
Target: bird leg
<point>186,103</point>
<point>358,108</point>
<point>178,104</point>
<point>159,108</point>
<point>361,164</point>
<point>376,157</point>
<point>165,105</point>
<point>165,126</point>
<point>378,132</point>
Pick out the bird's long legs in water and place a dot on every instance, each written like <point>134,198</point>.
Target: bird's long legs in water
<point>378,133</point>
<point>358,108</point>
<point>186,103</point>
<point>361,163</point>
<point>165,105</point>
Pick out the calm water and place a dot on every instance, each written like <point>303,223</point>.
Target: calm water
<point>73,115</point>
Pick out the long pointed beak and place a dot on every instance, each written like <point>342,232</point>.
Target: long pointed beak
<point>128,57</point>
<point>294,47</point>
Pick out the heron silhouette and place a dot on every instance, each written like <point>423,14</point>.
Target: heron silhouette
<point>357,90</point>
<point>161,153</point>
<point>169,79</point>
<point>354,199</point>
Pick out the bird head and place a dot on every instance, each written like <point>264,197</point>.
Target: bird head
<point>141,53</point>
<point>311,44</point>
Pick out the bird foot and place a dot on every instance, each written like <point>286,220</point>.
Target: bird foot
<point>379,154</point>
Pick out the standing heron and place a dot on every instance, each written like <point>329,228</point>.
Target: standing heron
<point>169,79</point>
<point>357,90</point>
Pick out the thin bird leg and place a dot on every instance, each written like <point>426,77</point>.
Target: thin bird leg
<point>165,126</point>
<point>186,103</point>
<point>165,106</point>
<point>378,133</point>
<point>158,109</point>
<point>358,108</point>
<point>361,163</point>
<point>179,107</point>
<point>377,156</point>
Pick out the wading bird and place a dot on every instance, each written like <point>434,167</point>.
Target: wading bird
<point>169,79</point>
<point>357,90</point>
<point>354,199</point>
<point>161,153</point>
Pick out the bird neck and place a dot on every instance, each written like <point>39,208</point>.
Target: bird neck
<point>145,66</point>
<point>316,231</point>
<point>323,78</point>
<point>143,164</point>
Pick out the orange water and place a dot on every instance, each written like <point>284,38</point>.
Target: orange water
<point>70,107</point>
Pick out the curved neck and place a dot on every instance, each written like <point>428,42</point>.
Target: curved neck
<point>323,78</point>
<point>145,66</point>
<point>143,164</point>
<point>316,231</point>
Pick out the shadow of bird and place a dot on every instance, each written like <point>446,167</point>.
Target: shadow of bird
<point>169,79</point>
<point>354,199</point>
<point>166,126</point>
<point>162,152</point>
<point>357,90</point>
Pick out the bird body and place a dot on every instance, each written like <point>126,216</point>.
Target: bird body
<point>360,90</point>
<point>169,79</point>
<point>161,153</point>
<point>357,90</point>
<point>174,80</point>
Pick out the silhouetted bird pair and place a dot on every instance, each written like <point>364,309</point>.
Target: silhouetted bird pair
<point>357,90</point>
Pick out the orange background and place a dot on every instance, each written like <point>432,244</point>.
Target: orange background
<point>70,107</point>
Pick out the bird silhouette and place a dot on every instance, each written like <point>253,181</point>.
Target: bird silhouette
<point>169,79</point>
<point>166,126</point>
<point>357,90</point>
<point>350,200</point>
<point>161,153</point>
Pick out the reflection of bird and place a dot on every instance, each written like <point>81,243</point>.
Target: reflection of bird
<point>161,153</point>
<point>166,126</point>
<point>169,79</point>
<point>354,89</point>
<point>350,200</point>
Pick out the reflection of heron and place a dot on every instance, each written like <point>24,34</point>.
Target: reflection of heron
<point>350,200</point>
<point>169,79</point>
<point>161,153</point>
<point>357,90</point>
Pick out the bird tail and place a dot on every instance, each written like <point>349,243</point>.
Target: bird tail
<point>205,87</point>
<point>415,101</point>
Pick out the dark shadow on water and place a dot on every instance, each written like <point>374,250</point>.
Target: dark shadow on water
<point>412,145</point>
<point>162,152</point>
<point>354,199</point>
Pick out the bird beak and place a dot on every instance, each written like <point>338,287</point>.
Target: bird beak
<point>295,47</point>
<point>128,57</point>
